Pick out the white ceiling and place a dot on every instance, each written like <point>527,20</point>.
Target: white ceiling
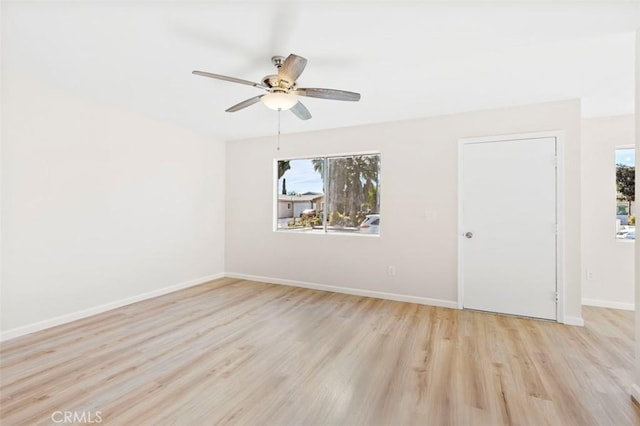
<point>408,59</point>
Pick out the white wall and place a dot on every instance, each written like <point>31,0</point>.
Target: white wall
<point>610,261</point>
<point>418,201</point>
<point>100,205</point>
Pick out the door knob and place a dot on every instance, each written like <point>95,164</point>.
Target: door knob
<point>469,235</point>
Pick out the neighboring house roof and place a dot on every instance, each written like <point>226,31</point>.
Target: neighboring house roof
<point>300,198</point>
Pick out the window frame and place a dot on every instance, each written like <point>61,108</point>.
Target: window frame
<point>274,194</point>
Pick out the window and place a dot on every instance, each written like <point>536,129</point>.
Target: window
<point>349,187</point>
<point>625,193</point>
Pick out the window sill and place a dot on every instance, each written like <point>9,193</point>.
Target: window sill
<point>322,232</point>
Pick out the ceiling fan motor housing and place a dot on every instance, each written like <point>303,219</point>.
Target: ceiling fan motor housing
<point>271,81</point>
<point>276,82</point>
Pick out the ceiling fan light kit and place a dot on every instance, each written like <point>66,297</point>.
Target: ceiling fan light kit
<point>279,100</point>
<point>282,91</point>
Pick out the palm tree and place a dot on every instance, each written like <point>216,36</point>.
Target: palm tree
<point>283,166</point>
<point>318,165</point>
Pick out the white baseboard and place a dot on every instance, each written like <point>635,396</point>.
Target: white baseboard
<point>348,290</point>
<point>568,320</point>
<point>635,393</point>
<point>63,319</point>
<point>609,304</point>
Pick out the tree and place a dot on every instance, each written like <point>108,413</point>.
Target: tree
<point>283,166</point>
<point>352,183</point>
<point>318,165</point>
<point>626,182</point>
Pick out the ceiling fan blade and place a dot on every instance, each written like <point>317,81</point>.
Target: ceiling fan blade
<point>244,104</point>
<point>291,68</point>
<point>226,78</point>
<point>336,95</point>
<point>301,111</point>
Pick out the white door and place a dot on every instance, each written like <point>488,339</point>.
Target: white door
<point>508,225</point>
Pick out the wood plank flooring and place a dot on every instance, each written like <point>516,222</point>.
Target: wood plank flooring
<point>245,353</point>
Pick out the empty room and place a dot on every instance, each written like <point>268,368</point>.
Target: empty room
<point>319,213</point>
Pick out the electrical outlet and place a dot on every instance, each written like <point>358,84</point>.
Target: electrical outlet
<point>391,271</point>
<point>589,276</point>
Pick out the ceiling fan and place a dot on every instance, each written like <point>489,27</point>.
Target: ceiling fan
<point>282,90</point>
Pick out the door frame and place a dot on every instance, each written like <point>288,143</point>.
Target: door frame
<point>560,235</point>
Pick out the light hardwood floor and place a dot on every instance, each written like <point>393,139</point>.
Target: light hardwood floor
<point>247,353</point>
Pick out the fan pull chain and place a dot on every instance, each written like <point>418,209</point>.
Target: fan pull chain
<point>279,111</point>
